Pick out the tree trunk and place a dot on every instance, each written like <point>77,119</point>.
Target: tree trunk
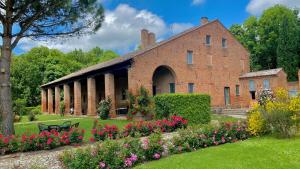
<point>5,88</point>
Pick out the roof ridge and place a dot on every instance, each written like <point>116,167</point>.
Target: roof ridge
<point>127,56</point>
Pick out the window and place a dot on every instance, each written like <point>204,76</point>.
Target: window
<point>189,57</point>
<point>266,84</point>
<point>191,87</point>
<point>237,90</point>
<point>251,85</point>
<point>252,95</point>
<point>207,40</point>
<point>224,43</point>
<point>293,93</point>
<point>172,87</point>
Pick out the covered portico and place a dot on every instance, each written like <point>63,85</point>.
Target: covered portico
<point>84,89</point>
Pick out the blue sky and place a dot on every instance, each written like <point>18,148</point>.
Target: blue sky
<point>125,18</point>
<point>228,11</point>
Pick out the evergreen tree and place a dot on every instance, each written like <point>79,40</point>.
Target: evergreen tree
<point>287,57</point>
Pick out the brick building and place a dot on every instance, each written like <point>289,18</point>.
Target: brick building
<point>203,59</point>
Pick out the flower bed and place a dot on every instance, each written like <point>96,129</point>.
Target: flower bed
<point>141,128</point>
<point>43,141</point>
<point>128,152</point>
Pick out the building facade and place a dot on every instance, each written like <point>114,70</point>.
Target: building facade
<point>204,59</point>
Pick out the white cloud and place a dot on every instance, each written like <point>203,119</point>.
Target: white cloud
<point>180,27</point>
<point>256,7</point>
<point>197,2</point>
<point>120,31</point>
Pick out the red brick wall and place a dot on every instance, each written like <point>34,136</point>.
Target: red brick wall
<point>208,76</point>
<point>276,81</point>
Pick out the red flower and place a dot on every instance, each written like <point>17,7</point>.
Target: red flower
<point>49,141</point>
<point>94,131</point>
<point>80,137</point>
<point>110,135</point>
<point>32,137</point>
<point>6,140</point>
<point>67,141</point>
<point>1,136</point>
<point>92,139</point>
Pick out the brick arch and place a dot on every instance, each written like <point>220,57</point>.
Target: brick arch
<point>162,77</point>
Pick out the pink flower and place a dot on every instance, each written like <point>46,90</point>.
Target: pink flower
<point>102,165</point>
<point>156,156</point>
<point>80,137</point>
<point>133,157</point>
<point>223,139</point>
<point>128,162</point>
<point>94,131</point>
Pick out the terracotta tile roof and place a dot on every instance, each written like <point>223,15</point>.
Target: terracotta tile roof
<point>123,58</point>
<point>270,72</point>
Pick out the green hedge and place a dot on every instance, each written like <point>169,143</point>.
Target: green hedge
<point>194,107</point>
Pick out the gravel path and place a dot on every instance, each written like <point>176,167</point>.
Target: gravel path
<point>45,159</point>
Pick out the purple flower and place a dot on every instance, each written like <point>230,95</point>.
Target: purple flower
<point>133,157</point>
<point>156,156</point>
<point>102,165</point>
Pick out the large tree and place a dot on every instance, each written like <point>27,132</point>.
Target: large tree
<point>42,65</point>
<point>39,20</point>
<point>272,39</point>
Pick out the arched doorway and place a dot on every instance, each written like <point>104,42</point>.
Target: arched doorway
<point>163,80</point>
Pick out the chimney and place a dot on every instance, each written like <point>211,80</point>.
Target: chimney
<point>144,38</point>
<point>151,38</point>
<point>147,39</point>
<point>204,20</point>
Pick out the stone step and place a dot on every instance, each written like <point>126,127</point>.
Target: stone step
<point>235,111</point>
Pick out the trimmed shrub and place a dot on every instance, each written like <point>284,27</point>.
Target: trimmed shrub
<point>193,107</point>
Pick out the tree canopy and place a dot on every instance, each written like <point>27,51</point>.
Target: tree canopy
<point>41,65</point>
<point>272,39</point>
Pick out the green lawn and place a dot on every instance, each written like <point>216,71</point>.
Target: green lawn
<point>223,118</point>
<point>85,123</point>
<point>255,153</point>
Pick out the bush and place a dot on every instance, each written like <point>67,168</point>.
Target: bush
<point>146,128</point>
<point>104,132</point>
<point>193,107</point>
<point>126,153</point>
<point>37,110</point>
<point>264,96</point>
<point>43,141</point>
<point>141,104</point>
<point>280,115</point>
<point>256,123</point>
<point>31,116</point>
<point>104,108</point>
<point>280,119</point>
<point>62,108</point>
<point>19,107</point>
